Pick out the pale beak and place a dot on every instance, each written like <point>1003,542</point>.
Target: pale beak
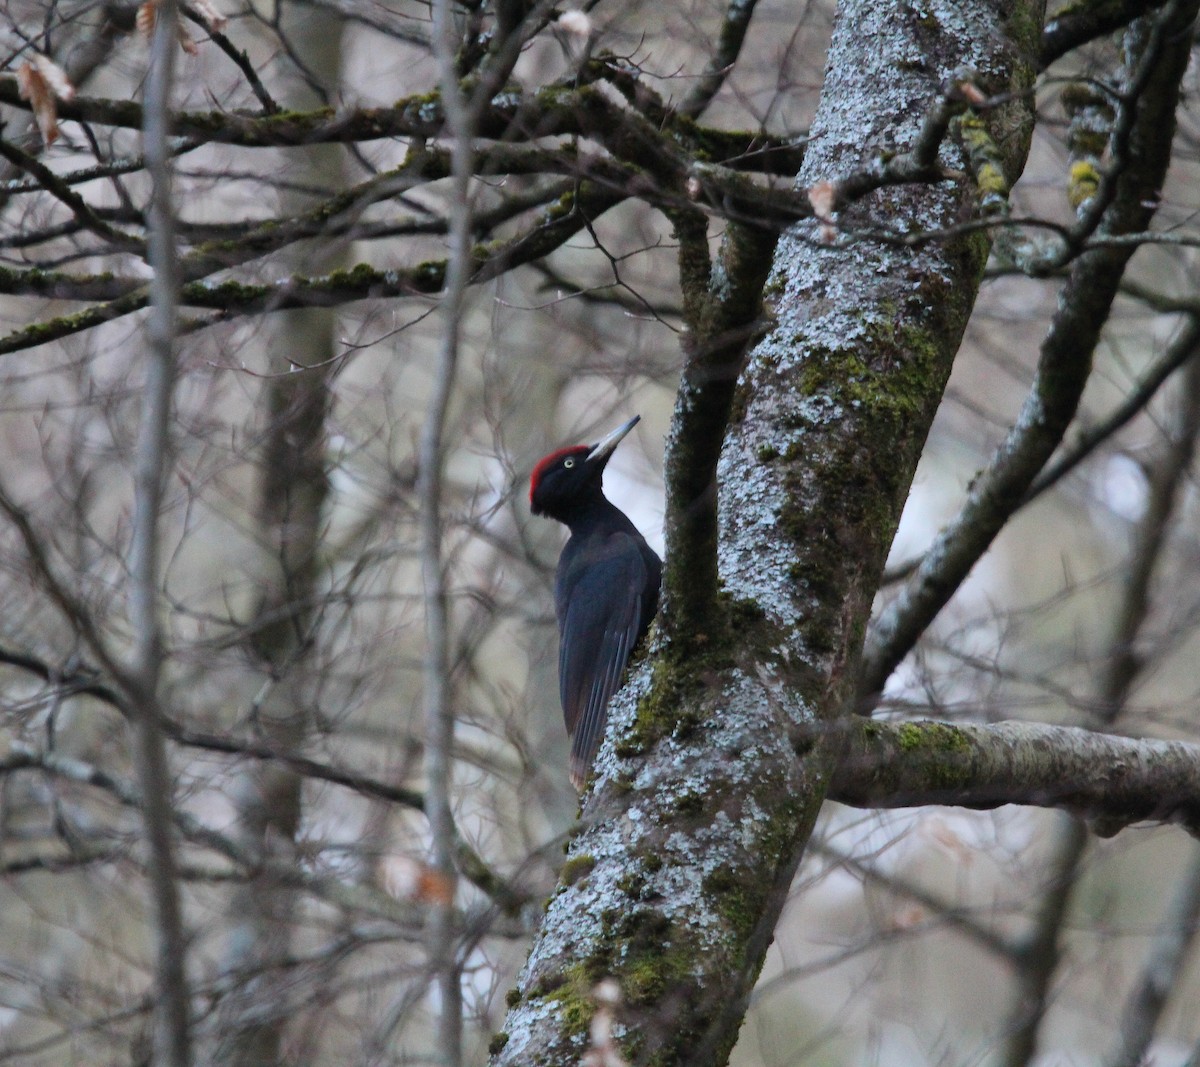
<point>604,448</point>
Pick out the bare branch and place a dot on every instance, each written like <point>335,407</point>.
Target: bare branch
<point>1042,947</point>
<point>568,110</point>
<point>1063,369</point>
<point>1045,946</point>
<point>1077,24</point>
<point>84,215</point>
<point>1182,349</point>
<point>956,918</point>
<point>729,47</point>
<point>240,59</point>
<point>556,226</point>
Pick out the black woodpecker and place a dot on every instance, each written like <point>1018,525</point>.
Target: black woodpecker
<point>605,588</point>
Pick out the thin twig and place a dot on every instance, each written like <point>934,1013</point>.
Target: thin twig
<point>729,47</point>
<point>239,58</point>
<point>1042,947</point>
<point>439,713</point>
<point>61,191</point>
<point>507,896</point>
<point>1182,349</point>
<point>954,917</point>
<point>172,1041</point>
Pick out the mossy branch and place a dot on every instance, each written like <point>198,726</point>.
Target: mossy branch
<point>514,116</point>
<point>558,224</point>
<point>723,313</point>
<point>702,807</point>
<point>896,765</point>
<point>61,191</point>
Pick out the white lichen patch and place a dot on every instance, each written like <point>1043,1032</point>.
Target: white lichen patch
<point>509,100</point>
<point>523,1026</point>
<point>430,111</point>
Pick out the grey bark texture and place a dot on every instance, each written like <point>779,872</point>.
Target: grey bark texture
<point>1114,781</point>
<point>701,812</point>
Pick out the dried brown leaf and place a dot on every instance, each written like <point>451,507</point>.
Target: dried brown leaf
<point>147,15</point>
<point>433,887</point>
<point>822,196</point>
<point>43,83</point>
<point>55,77</point>
<point>410,879</point>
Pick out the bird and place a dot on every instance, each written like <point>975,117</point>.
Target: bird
<point>605,588</point>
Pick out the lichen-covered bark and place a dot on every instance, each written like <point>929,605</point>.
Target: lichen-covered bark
<point>702,806</point>
<point>1113,780</point>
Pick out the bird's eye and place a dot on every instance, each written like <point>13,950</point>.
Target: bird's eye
<point>568,463</point>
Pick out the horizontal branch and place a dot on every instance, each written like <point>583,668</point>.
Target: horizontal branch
<point>1114,781</point>
<point>63,285</point>
<point>556,225</point>
<point>79,208</point>
<point>722,189</point>
<point>558,110</point>
<point>111,168</point>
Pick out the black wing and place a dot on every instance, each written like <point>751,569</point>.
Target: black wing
<point>600,602</point>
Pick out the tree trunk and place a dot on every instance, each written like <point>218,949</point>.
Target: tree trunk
<point>704,804</point>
